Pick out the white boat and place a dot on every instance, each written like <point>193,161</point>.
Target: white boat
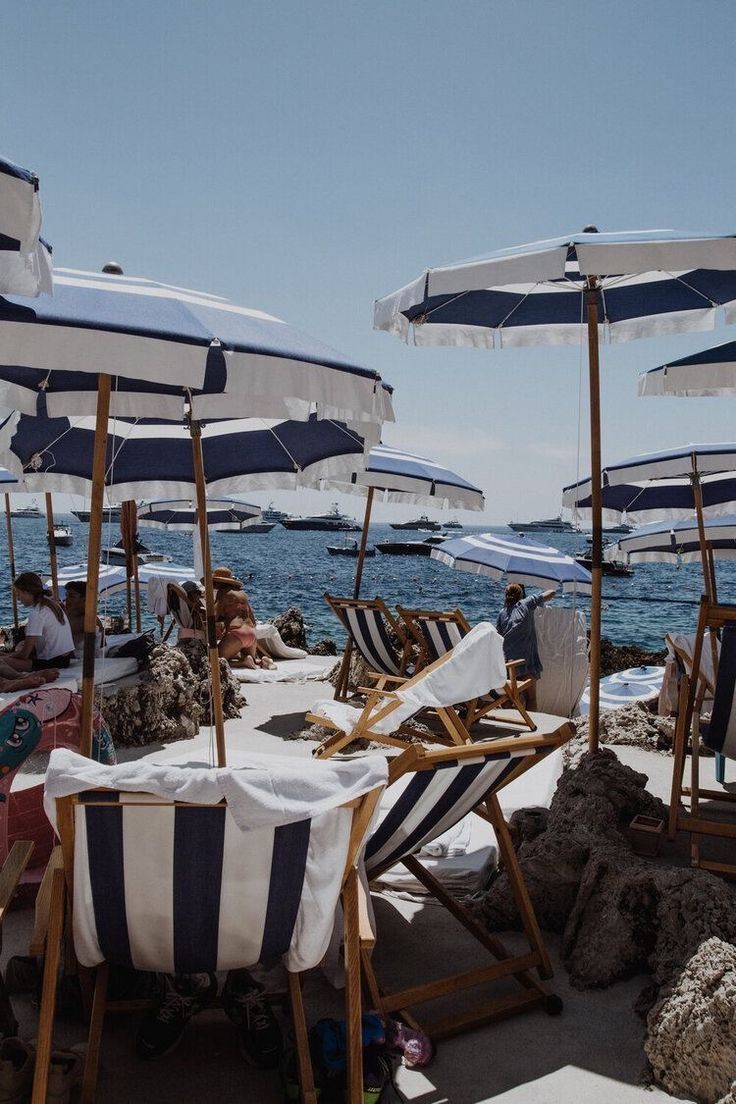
<point>63,535</point>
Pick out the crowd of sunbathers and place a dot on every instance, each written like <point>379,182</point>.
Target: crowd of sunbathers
<point>54,633</point>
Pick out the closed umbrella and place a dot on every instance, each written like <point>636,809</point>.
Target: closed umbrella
<point>177,351</point>
<point>25,265</point>
<point>607,286</point>
<point>517,559</point>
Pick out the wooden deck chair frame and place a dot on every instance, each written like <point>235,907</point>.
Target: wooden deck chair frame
<point>693,691</point>
<point>506,965</point>
<point>339,607</point>
<point>52,936</point>
<point>509,698</point>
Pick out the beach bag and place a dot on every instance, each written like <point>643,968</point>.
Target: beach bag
<point>139,648</point>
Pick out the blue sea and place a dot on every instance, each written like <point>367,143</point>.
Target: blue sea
<point>287,568</point>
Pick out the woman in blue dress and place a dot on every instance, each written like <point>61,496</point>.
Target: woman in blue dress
<point>515,623</point>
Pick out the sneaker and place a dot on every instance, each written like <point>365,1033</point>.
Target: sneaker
<point>376,1074</point>
<point>65,1073</point>
<point>17,1060</point>
<point>184,996</point>
<point>259,1034</point>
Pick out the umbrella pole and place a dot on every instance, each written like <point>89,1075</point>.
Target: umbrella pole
<point>137,586</point>
<point>11,558</point>
<point>209,596</point>
<point>104,383</point>
<point>52,546</point>
<point>698,499</point>
<point>344,674</point>
<point>591,303</point>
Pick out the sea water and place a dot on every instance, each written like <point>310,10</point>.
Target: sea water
<point>290,568</point>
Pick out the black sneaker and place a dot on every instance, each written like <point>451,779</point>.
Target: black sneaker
<point>259,1034</point>
<point>184,996</point>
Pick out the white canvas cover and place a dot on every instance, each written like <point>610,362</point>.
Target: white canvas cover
<point>563,649</point>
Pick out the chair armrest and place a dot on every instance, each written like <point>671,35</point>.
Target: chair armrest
<point>512,664</point>
<point>11,872</point>
<point>37,944</point>
<point>366,934</point>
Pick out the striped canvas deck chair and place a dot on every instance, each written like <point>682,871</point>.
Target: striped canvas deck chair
<point>718,735</point>
<point>182,887</point>
<point>467,673</point>
<point>437,632</point>
<point>444,786</point>
<point>371,630</point>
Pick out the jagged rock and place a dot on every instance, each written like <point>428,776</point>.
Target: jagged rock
<point>618,914</point>
<point>232,698</point>
<point>324,647</point>
<point>291,628</point>
<point>161,707</point>
<point>692,1029</point>
<point>619,657</point>
<point>634,724</point>
<point>359,673</point>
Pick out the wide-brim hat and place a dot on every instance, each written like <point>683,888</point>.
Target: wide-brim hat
<point>223,578</point>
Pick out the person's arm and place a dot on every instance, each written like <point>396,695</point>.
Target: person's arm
<point>27,647</point>
<point>549,594</point>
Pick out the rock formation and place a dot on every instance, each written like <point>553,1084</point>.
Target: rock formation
<point>232,698</point>
<point>619,657</point>
<point>291,628</point>
<point>692,1028</point>
<point>162,706</point>
<point>635,724</point>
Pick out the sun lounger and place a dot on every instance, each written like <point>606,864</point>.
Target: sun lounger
<point>444,786</point>
<point>436,633</point>
<point>719,735</point>
<point>467,673</point>
<point>375,634</point>
<point>246,866</point>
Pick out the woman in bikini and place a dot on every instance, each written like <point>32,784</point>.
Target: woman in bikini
<point>238,641</point>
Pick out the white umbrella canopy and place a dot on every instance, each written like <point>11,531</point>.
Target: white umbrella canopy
<point>707,374</point>
<point>25,263</point>
<point>517,559</point>
<point>608,286</point>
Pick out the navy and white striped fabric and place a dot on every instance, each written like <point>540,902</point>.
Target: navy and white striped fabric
<point>711,372</point>
<point>222,514</point>
<point>239,361</point>
<point>368,631</point>
<point>659,485</point>
<point>145,457</point>
<point>405,477</point>
<point>653,282</point>
<point>180,889</point>
<point>25,264</point>
<point>720,734</point>
<point>439,637</point>
<point>113,579</point>
<point>519,559</point>
<point>434,801</point>
<point>676,543</point>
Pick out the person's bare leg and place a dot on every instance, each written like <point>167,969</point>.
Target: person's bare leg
<point>25,682</point>
<point>13,664</point>
<point>231,648</point>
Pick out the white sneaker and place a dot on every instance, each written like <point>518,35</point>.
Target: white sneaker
<point>17,1059</point>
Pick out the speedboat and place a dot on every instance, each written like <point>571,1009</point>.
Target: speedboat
<point>411,548</point>
<point>116,554</point>
<point>349,548</point>
<point>608,567</point>
<point>62,536</point>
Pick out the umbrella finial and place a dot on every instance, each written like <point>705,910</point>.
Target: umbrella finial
<point>112,268</point>
<point>589,229</point>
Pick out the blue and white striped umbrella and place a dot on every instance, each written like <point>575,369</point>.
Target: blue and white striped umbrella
<point>25,263</point>
<point>635,684</point>
<point>406,477</point>
<point>711,372</point>
<point>113,579</point>
<point>149,457</point>
<point>159,342</point>
<point>519,559</point>
<point>676,543</point>
<point>652,282</point>
<point>222,514</point>
<point>659,485</point>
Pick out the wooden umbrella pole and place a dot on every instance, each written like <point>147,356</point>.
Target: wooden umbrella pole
<point>698,499</point>
<point>592,294</point>
<point>137,586</point>
<point>11,558</point>
<point>52,546</point>
<point>209,595</point>
<point>99,455</point>
<point>343,677</point>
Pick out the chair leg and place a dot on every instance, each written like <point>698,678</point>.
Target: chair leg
<point>678,764</point>
<point>518,886</point>
<point>301,1038</point>
<point>94,1039</point>
<point>353,1002</point>
<point>48,993</point>
<point>695,791</point>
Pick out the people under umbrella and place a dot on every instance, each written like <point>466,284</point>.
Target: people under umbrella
<point>236,623</point>
<point>48,644</point>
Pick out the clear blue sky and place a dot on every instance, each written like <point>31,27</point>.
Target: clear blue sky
<point>306,158</point>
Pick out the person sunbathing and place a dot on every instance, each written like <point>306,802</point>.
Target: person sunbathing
<point>32,681</point>
<point>48,643</point>
<point>237,642</point>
